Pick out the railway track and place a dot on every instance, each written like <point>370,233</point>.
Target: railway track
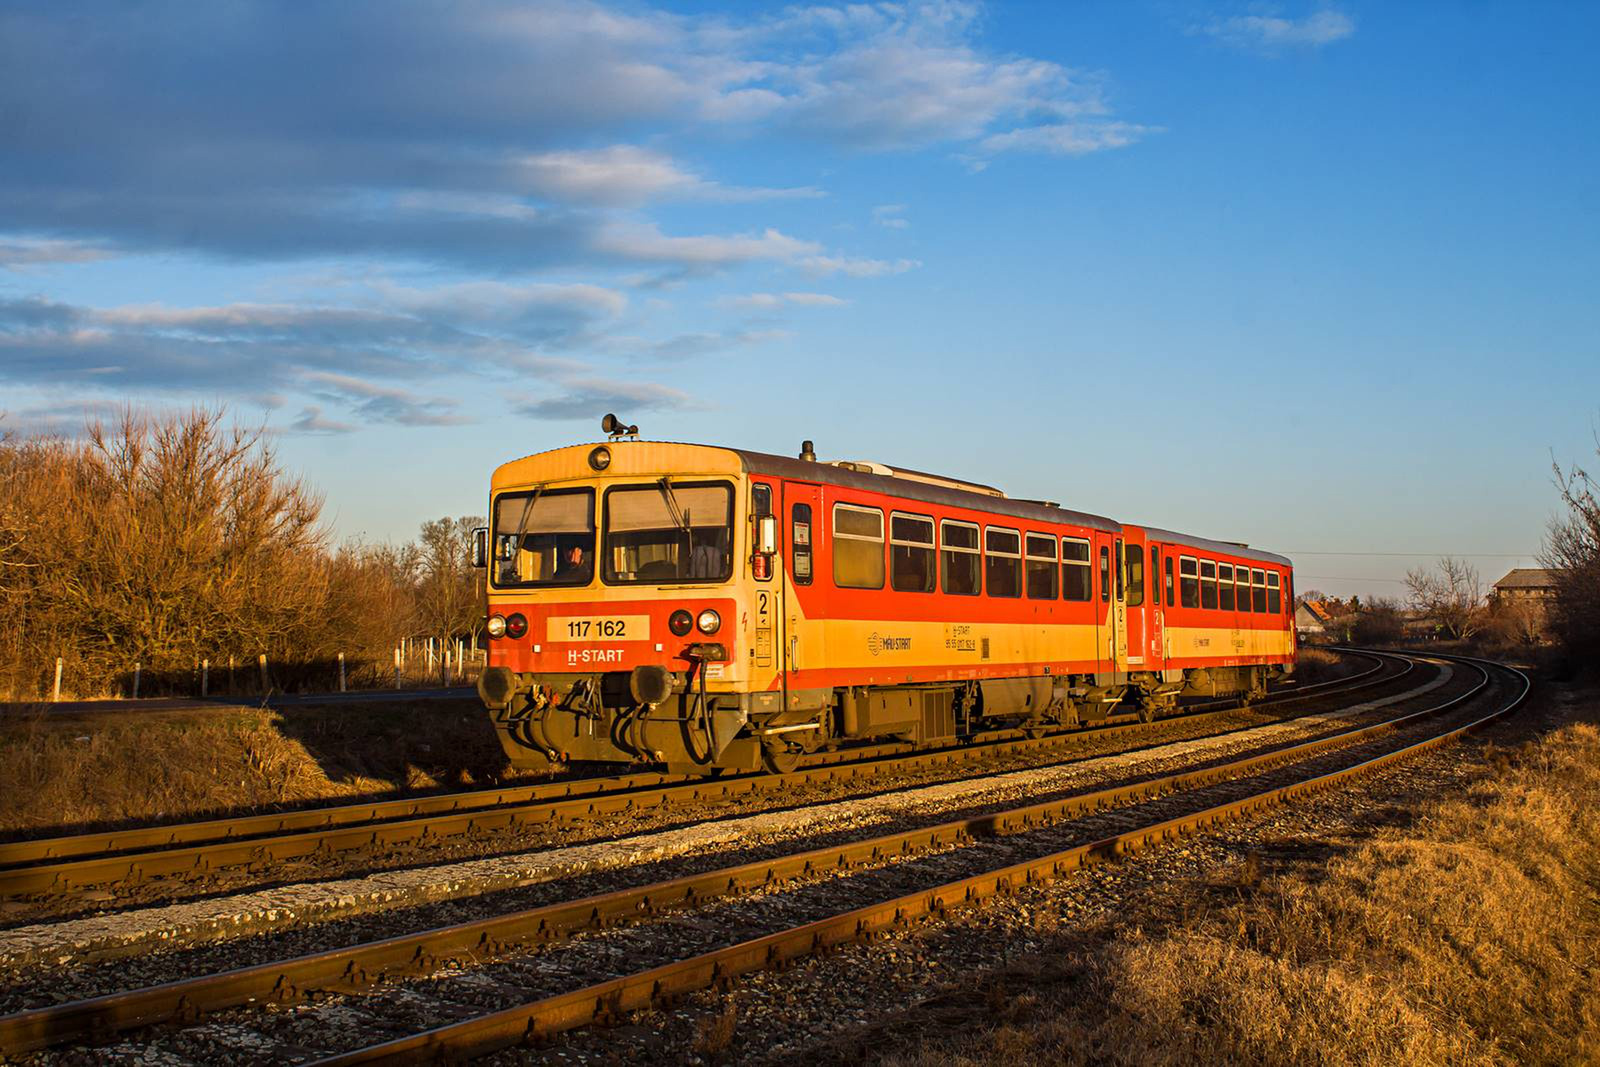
<point>359,967</point>
<point>191,853</point>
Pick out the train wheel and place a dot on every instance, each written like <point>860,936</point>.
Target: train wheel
<point>779,758</point>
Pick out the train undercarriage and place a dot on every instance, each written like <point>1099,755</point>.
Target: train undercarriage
<point>664,718</point>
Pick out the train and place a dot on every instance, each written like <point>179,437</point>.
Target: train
<point>709,609</point>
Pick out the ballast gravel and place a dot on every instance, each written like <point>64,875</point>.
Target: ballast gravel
<point>64,943</point>
<point>307,1031</point>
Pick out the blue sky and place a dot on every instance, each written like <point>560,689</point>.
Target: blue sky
<point>1319,278</point>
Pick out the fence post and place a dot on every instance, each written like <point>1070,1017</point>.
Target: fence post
<point>265,683</point>
<point>446,672</point>
<point>341,672</point>
<point>230,674</point>
<point>397,666</point>
<point>461,658</point>
<point>136,681</point>
<point>205,678</point>
<point>57,697</point>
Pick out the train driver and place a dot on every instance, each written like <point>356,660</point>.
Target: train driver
<point>574,566</point>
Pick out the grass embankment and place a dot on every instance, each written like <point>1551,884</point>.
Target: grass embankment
<point>1472,935</point>
<point>63,774</point>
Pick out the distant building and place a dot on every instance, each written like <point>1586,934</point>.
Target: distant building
<point>1312,619</point>
<point>1525,585</point>
<point>1523,598</point>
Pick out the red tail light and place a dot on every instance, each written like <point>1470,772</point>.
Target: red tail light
<point>761,566</point>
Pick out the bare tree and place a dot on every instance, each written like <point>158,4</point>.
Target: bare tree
<point>448,601</point>
<point>1451,592</point>
<point>1572,552</point>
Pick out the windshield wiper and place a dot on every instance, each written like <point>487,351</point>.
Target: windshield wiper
<point>527,509</point>
<point>679,517</point>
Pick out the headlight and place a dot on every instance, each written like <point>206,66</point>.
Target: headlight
<point>679,622</point>
<point>497,626</point>
<point>708,621</point>
<point>516,625</point>
<point>600,458</point>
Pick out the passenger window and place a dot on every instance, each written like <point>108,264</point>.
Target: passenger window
<point>1274,595</point>
<point>960,560</point>
<point>1242,574</point>
<point>1135,576</point>
<point>1040,567</point>
<point>1208,585</point>
<point>1105,573</point>
<point>1258,595</point>
<point>911,555</point>
<point>857,547</point>
<point>1167,571</point>
<point>1225,586</point>
<point>1189,581</point>
<point>800,543</point>
<point>1002,564</point>
<point>1077,573</point>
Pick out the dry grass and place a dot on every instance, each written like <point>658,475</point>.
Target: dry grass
<point>1472,935</point>
<point>114,769</point>
<point>1314,664</point>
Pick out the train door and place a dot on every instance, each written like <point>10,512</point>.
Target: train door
<point>800,638</point>
<point>1119,608</point>
<point>1135,603</point>
<point>1155,616</point>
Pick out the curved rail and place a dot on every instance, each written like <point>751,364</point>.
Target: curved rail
<point>530,1022</point>
<point>357,966</point>
<point>193,850</point>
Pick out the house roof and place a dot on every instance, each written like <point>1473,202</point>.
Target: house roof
<point>1318,610</point>
<point>1527,578</point>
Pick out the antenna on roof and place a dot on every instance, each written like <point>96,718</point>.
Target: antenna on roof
<point>614,428</point>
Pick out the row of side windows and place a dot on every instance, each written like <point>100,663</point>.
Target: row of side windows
<point>963,560</point>
<point>1204,583</point>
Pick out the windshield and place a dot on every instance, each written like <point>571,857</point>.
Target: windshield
<point>544,537</point>
<point>667,532</point>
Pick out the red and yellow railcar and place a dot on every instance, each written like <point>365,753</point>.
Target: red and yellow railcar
<point>711,608</point>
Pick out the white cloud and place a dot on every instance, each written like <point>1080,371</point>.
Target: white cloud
<point>24,253</point>
<point>857,268</point>
<point>891,216</point>
<point>624,175</point>
<point>771,301</point>
<point>644,242</point>
<point>1067,138</point>
<point>1272,33</point>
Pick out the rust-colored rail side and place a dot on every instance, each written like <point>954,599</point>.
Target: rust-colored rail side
<point>530,1022</point>
<point>357,966</point>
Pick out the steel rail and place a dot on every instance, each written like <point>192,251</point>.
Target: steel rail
<point>608,1000</point>
<point>354,967</point>
<point>40,850</point>
<point>580,799</point>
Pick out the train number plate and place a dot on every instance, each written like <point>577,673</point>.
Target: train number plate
<point>598,628</point>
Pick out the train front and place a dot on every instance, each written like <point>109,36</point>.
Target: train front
<point>616,607</point>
